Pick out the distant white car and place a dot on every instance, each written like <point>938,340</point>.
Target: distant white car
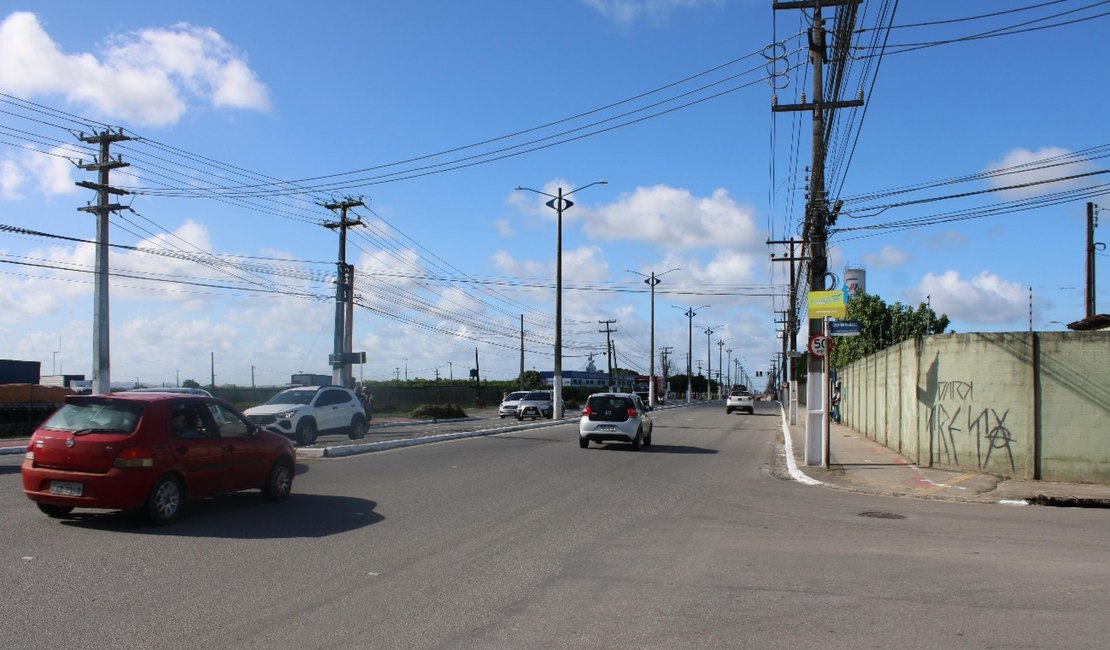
<point>739,400</point>
<point>536,404</point>
<point>615,416</point>
<point>509,404</point>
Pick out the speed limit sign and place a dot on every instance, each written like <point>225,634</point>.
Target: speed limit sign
<point>819,345</point>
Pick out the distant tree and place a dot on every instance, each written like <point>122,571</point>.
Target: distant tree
<point>532,380</point>
<point>882,326</point>
<point>190,383</point>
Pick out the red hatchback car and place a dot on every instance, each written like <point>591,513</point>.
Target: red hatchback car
<point>150,452</point>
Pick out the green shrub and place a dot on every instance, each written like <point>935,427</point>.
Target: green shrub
<point>438,412</point>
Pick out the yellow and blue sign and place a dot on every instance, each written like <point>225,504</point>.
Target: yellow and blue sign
<point>833,304</point>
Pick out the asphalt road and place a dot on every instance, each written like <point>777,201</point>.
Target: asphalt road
<point>523,540</point>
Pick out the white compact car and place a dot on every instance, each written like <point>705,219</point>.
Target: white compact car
<point>740,400</point>
<point>615,416</point>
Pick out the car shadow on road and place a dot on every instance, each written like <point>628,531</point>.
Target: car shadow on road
<point>659,449</point>
<point>245,515</point>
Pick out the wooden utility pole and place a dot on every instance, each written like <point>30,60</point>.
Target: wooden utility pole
<point>101,367</point>
<point>340,373</point>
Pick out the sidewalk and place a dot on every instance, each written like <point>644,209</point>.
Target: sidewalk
<point>859,464</point>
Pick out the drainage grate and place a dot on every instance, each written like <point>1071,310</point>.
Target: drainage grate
<point>882,515</point>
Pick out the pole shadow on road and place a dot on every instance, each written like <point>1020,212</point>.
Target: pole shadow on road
<point>245,515</point>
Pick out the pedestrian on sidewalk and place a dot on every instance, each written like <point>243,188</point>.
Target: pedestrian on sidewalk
<point>834,411</point>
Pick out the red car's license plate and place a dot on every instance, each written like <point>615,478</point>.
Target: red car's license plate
<point>66,488</point>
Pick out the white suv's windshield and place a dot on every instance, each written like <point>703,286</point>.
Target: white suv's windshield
<point>293,397</point>
<point>514,397</point>
<point>537,396</point>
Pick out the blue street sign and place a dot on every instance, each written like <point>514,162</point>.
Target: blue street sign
<point>844,327</point>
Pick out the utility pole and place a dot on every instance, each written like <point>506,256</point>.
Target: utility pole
<point>818,215</point>
<point>344,289</point>
<point>729,366</point>
<point>608,348</point>
<point>522,352</point>
<point>103,165</point>
<point>1092,223</point>
<point>720,374</point>
<point>664,352</point>
<point>212,362</point>
<point>477,377</point>
<point>709,362</point>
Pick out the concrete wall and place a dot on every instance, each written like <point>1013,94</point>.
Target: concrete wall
<point>1025,404</point>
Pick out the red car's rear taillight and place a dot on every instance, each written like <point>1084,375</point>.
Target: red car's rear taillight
<point>134,457</point>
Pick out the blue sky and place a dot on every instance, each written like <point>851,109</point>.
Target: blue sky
<point>435,111</point>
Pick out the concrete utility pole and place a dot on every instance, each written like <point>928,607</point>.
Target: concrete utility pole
<point>522,352</point>
<point>608,348</point>
<point>1092,223</point>
<point>344,290</point>
<point>101,365</point>
<point>709,362</point>
<point>720,374</point>
<point>663,353</point>
<point>729,366</point>
<point>818,215</point>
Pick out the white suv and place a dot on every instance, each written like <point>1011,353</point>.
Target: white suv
<point>302,413</point>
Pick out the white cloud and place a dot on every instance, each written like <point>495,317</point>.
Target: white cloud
<point>674,218</point>
<point>51,173</point>
<point>626,12</point>
<point>1022,166</point>
<point>887,257</point>
<point>985,299</point>
<point>12,178</point>
<point>145,77</point>
<point>504,227</point>
<point>582,264</point>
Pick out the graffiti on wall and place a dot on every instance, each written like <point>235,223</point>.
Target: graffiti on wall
<point>953,415</point>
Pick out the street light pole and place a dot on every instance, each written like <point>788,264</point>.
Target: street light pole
<point>690,313</point>
<point>709,362</point>
<point>559,203</point>
<point>729,366</point>
<point>720,375</point>
<point>652,280</point>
